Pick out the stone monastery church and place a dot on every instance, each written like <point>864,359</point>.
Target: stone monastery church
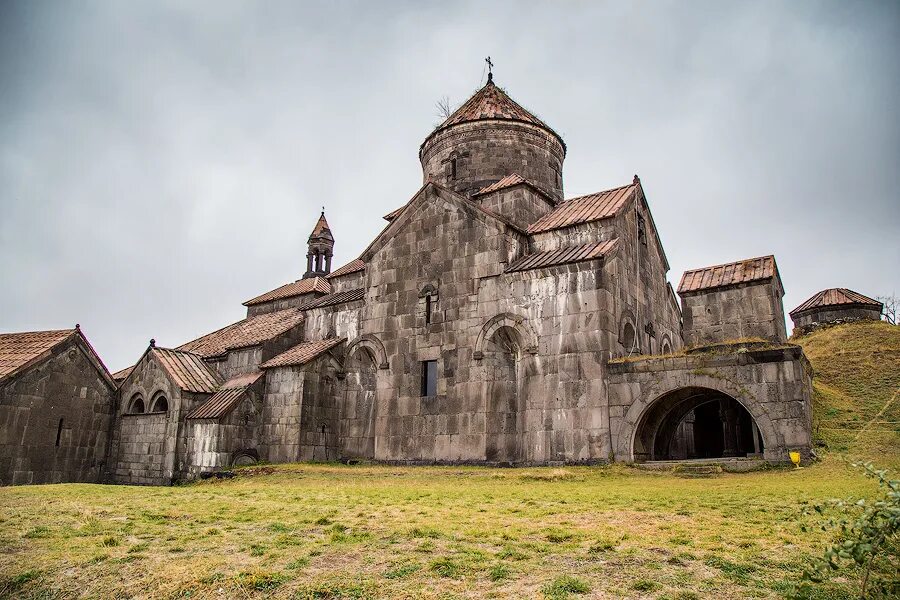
<point>492,321</point>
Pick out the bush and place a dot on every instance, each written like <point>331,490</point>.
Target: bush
<point>867,536</point>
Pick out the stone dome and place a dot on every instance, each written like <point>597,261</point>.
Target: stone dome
<point>486,139</point>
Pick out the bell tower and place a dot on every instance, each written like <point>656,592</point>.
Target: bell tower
<point>321,248</point>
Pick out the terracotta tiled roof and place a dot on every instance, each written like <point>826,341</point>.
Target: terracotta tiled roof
<point>836,297</point>
<point>510,181</point>
<point>123,374</point>
<point>337,298</point>
<point>585,209</point>
<point>351,267</point>
<point>19,350</point>
<point>187,370</point>
<point>298,288</point>
<point>742,271</point>
<point>492,103</point>
<point>321,229</point>
<point>248,332</point>
<point>563,256</point>
<point>302,353</point>
<point>229,396</point>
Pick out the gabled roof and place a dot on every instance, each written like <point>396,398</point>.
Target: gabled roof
<point>508,182</point>
<point>245,333</point>
<point>187,370</point>
<point>227,398</point>
<point>353,266</point>
<point>836,297</point>
<point>321,230</point>
<point>573,254</point>
<point>742,271</point>
<point>123,374</point>
<point>337,298</point>
<point>302,353</point>
<point>311,285</point>
<point>491,103</point>
<point>19,351</point>
<point>396,223</point>
<point>585,209</point>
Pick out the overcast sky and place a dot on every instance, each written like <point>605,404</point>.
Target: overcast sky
<point>160,163</point>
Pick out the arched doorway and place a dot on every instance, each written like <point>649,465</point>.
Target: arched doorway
<point>358,414</point>
<point>502,356</point>
<point>696,423</point>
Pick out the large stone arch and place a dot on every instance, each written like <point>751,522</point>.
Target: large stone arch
<point>527,337</point>
<point>773,440</point>
<point>374,346</point>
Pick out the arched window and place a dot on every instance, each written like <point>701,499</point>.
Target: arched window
<point>159,404</point>
<point>429,298</point>
<point>666,347</point>
<point>629,339</point>
<point>136,404</point>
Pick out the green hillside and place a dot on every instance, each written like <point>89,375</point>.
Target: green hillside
<point>856,404</point>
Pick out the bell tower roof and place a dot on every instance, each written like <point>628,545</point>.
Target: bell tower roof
<point>491,103</point>
<point>322,230</point>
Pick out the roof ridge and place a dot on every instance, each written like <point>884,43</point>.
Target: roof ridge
<point>615,189</point>
<point>733,262</point>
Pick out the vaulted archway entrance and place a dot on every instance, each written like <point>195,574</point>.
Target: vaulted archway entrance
<point>696,423</point>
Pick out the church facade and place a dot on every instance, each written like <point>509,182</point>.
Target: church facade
<point>492,321</point>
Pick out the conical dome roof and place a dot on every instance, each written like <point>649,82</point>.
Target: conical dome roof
<point>321,230</point>
<point>836,297</point>
<point>491,103</point>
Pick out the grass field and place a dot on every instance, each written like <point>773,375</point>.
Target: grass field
<point>331,531</point>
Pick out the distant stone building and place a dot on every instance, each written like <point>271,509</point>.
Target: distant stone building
<point>835,305</point>
<point>490,322</point>
<point>56,405</point>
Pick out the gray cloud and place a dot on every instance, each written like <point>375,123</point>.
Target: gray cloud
<point>162,163</point>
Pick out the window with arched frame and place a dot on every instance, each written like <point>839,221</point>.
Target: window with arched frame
<point>160,403</point>
<point>629,339</point>
<point>136,405</point>
<point>429,298</point>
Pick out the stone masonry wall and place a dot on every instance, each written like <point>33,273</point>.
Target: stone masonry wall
<point>320,412</point>
<point>211,445</point>
<point>333,321</point>
<point>773,385</point>
<point>144,447</point>
<point>142,450</point>
<point>351,281</point>
<point>643,297</point>
<point>487,151</point>
<point>449,246</point>
<point>66,389</point>
<point>280,429</point>
<point>743,311</point>
<point>836,313</point>
<point>520,205</point>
